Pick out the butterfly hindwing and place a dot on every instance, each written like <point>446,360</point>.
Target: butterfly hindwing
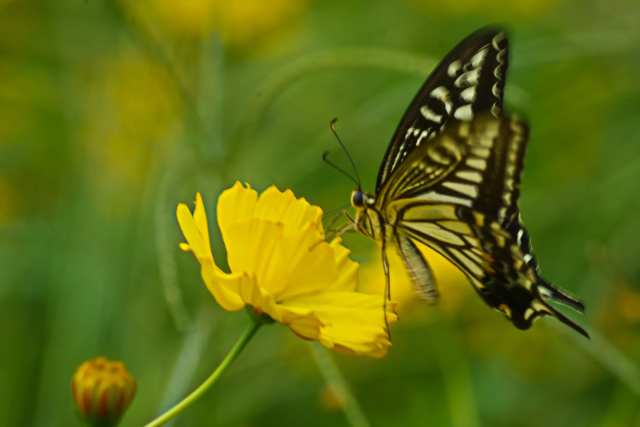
<point>486,253</point>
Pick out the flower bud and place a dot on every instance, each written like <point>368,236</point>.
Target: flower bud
<point>102,391</point>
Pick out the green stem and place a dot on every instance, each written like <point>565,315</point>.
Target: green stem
<point>195,395</point>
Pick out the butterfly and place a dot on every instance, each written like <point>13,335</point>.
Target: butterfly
<point>449,179</point>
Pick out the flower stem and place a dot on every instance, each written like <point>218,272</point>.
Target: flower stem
<point>195,395</point>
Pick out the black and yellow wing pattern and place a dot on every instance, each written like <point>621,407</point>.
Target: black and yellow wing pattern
<point>449,180</point>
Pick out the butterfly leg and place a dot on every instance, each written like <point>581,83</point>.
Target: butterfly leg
<point>387,286</point>
<point>347,227</point>
<point>418,269</point>
<point>334,219</point>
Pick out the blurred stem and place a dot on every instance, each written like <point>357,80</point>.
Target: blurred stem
<point>189,356</point>
<point>197,393</point>
<point>611,358</point>
<point>456,374</point>
<point>209,101</point>
<point>166,255</point>
<point>336,381</point>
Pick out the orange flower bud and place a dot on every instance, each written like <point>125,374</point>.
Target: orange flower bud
<point>102,391</point>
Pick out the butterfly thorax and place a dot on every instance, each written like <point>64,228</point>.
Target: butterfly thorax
<point>368,219</point>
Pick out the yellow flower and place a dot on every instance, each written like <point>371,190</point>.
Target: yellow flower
<point>282,266</point>
<point>102,391</point>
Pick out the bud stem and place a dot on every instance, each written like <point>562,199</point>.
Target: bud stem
<point>195,395</point>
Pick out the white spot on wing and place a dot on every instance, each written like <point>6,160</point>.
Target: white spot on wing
<point>497,40</point>
<point>428,114</point>
<point>528,313</point>
<point>470,78</point>
<point>472,176</point>
<point>481,151</point>
<point>454,67</point>
<point>434,196</point>
<point>495,90</point>
<point>469,94</point>
<point>478,58</point>
<point>485,141</point>
<point>441,93</point>
<point>422,135</point>
<point>477,163</point>
<point>468,189</point>
<point>464,113</point>
<point>432,230</point>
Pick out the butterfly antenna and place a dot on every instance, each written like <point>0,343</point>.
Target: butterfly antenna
<point>356,181</point>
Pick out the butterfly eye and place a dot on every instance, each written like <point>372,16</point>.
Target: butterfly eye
<point>357,198</point>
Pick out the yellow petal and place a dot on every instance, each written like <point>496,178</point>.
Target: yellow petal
<point>301,320</point>
<point>296,214</point>
<point>308,264</point>
<point>347,269</point>
<point>224,287</point>
<point>260,299</point>
<point>349,322</point>
<point>194,228</point>
<point>236,204</point>
<point>253,247</point>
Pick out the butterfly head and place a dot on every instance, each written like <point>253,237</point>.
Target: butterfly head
<point>363,202</point>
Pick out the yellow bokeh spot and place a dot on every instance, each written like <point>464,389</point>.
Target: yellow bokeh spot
<point>245,21</point>
<point>496,9</point>
<point>332,398</point>
<point>629,306</point>
<point>240,22</point>
<point>132,110</point>
<point>187,18</point>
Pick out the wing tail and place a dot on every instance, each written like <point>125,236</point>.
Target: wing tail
<point>554,294</point>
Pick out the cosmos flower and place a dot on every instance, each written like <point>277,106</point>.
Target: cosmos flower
<point>281,266</point>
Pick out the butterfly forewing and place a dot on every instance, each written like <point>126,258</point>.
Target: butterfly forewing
<point>476,164</point>
<point>469,80</point>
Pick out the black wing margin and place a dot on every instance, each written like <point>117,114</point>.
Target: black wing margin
<point>469,80</point>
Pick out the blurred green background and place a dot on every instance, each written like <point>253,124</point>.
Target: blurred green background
<point>113,112</point>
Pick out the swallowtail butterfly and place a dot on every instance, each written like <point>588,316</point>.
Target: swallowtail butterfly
<point>449,180</point>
